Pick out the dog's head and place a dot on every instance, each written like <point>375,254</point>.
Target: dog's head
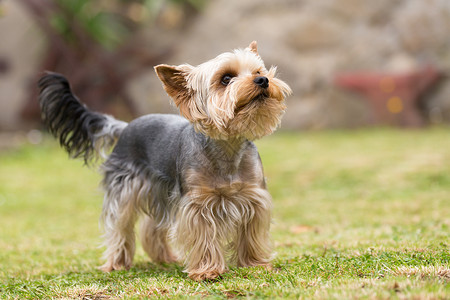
<point>230,96</point>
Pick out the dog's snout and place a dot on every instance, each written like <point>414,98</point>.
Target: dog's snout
<point>262,81</point>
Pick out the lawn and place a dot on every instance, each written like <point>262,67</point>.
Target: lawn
<point>357,214</point>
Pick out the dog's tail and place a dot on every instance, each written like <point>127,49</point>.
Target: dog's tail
<point>83,133</point>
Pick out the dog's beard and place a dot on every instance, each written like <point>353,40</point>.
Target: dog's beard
<point>258,118</point>
<point>251,119</point>
<point>255,101</point>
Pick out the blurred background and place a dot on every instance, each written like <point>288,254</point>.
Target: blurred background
<point>350,63</point>
<point>358,213</point>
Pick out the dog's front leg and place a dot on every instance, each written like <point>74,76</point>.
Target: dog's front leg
<point>253,245</point>
<point>200,237</point>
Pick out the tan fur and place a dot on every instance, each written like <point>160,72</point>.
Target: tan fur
<point>154,241</point>
<point>253,47</point>
<point>217,215</point>
<point>119,216</point>
<point>175,86</point>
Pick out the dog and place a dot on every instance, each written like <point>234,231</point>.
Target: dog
<point>197,179</point>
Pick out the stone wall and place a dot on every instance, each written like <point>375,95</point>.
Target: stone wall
<point>310,41</point>
<point>20,50</point>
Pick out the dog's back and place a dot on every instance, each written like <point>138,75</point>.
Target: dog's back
<point>152,140</point>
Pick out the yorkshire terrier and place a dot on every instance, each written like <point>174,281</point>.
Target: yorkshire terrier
<point>196,179</point>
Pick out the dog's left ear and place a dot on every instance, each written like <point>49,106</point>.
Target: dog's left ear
<point>253,47</point>
<point>174,79</point>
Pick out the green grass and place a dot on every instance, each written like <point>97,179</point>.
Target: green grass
<point>357,214</point>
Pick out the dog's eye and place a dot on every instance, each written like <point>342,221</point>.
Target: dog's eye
<point>258,72</point>
<point>226,79</point>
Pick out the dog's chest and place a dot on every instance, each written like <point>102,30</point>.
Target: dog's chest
<point>217,171</point>
<point>233,199</point>
<point>226,180</point>
<point>229,190</point>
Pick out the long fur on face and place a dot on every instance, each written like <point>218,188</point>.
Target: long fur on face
<point>239,109</point>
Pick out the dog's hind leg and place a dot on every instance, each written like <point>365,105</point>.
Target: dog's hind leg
<point>154,241</point>
<point>119,216</point>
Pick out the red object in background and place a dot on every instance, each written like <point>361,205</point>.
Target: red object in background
<point>394,98</point>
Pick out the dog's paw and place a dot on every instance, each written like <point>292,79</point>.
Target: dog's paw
<point>266,266</point>
<point>106,267</point>
<point>171,259</point>
<point>207,275</point>
<point>252,263</point>
<point>166,258</point>
<point>109,267</point>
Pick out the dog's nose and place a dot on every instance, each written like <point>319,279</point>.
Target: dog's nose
<point>262,81</point>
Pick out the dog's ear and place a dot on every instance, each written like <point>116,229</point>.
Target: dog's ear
<point>253,47</point>
<point>174,79</point>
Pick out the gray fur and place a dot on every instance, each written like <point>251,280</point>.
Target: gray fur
<point>158,149</point>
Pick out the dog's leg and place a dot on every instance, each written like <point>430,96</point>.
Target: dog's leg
<point>119,239</point>
<point>200,237</point>
<point>154,241</point>
<point>253,246</point>
<point>119,216</point>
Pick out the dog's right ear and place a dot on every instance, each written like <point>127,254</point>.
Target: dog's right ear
<point>174,79</point>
